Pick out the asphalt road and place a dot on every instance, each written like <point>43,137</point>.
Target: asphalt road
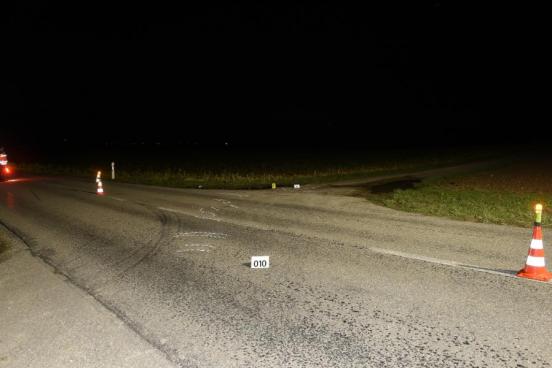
<point>350,284</point>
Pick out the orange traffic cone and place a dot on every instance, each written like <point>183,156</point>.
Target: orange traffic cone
<point>535,267</point>
<point>100,190</point>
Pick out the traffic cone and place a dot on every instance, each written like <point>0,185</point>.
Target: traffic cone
<point>100,190</point>
<point>535,267</point>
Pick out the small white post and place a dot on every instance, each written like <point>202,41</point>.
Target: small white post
<point>113,171</point>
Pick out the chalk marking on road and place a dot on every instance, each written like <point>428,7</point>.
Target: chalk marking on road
<point>192,250</point>
<point>198,245</point>
<point>226,202</point>
<point>448,263</point>
<point>195,247</point>
<point>207,215</point>
<point>204,215</point>
<point>202,234</point>
<point>171,210</point>
<point>118,199</point>
<point>239,195</point>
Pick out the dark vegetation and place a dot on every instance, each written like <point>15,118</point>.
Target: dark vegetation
<point>245,168</point>
<point>503,195</point>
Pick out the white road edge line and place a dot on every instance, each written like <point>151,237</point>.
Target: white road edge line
<point>449,263</point>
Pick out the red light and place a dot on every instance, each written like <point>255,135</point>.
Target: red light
<point>7,170</point>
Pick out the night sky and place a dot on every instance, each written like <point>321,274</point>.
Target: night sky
<point>247,73</point>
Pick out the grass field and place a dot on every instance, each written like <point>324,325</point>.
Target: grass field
<point>505,195</point>
<point>254,170</point>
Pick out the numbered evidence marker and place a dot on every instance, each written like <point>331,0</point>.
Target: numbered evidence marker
<point>260,262</point>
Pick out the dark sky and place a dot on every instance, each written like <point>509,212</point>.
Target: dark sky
<point>251,73</point>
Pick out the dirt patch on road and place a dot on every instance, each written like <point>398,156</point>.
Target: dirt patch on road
<point>3,246</point>
<point>3,250</point>
<point>390,186</point>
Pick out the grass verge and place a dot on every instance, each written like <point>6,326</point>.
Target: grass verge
<point>504,195</point>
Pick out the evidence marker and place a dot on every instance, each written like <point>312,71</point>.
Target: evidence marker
<point>260,262</point>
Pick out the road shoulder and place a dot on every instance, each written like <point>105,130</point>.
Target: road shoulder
<point>48,322</point>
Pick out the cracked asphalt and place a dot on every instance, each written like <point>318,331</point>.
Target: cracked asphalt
<point>350,284</point>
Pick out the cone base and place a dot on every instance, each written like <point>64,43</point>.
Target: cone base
<point>540,274</point>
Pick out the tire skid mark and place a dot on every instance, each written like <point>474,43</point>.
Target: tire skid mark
<point>32,244</point>
<point>34,194</point>
<point>140,254</point>
<point>154,246</point>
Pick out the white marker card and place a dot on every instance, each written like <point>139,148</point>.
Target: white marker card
<point>297,186</point>
<point>260,262</point>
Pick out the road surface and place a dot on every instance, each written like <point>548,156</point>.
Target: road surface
<point>350,284</point>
